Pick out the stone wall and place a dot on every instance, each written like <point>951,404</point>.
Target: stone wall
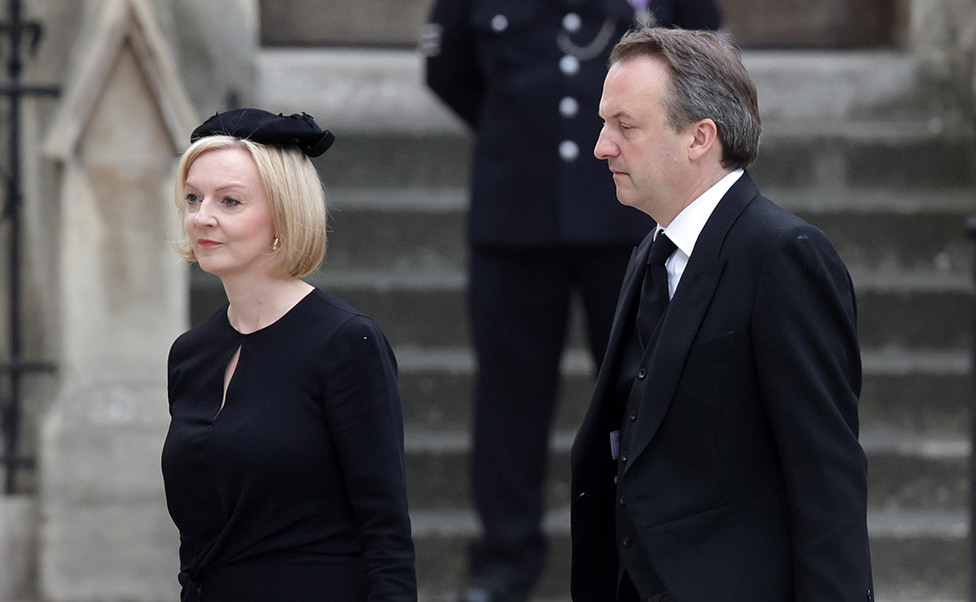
<point>103,294</point>
<point>942,36</point>
<point>755,23</point>
<point>214,43</point>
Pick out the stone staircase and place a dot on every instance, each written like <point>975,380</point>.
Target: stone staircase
<point>854,143</point>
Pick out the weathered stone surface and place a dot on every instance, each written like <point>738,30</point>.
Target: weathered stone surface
<point>215,43</point>
<point>18,545</point>
<point>342,22</point>
<point>820,24</point>
<point>755,23</point>
<point>105,532</point>
<point>353,89</point>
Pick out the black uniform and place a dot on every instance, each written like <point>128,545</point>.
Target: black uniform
<point>528,75</point>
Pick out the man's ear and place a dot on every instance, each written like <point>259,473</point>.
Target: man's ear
<point>704,138</point>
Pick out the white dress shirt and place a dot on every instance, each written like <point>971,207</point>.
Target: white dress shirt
<point>685,228</point>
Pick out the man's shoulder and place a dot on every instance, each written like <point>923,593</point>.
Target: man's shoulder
<point>765,230</point>
<point>763,217</point>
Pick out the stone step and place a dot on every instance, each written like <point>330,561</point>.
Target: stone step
<point>396,160</point>
<point>920,556</point>
<point>931,241</point>
<point>910,314</point>
<point>849,118</point>
<point>763,23</point>
<point>898,155</point>
<point>441,538</point>
<point>423,229</point>
<point>383,90</point>
<point>889,201</point>
<point>804,86</point>
<point>925,393</point>
<point>429,309</point>
<point>913,473</point>
<point>375,22</point>
<point>906,472</point>
<point>901,156</point>
<point>916,556</point>
<point>436,386</point>
<point>437,469</point>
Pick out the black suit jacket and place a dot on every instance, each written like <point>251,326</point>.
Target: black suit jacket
<point>745,478</point>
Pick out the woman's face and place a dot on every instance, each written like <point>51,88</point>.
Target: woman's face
<point>228,218</point>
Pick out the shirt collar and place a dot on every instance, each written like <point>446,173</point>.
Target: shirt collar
<point>685,228</point>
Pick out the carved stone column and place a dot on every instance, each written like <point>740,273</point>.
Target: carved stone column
<point>105,532</point>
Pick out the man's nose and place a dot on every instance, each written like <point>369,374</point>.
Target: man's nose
<point>604,148</point>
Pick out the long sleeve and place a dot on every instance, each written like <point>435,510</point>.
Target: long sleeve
<point>366,422</point>
<point>810,376</point>
<point>452,69</point>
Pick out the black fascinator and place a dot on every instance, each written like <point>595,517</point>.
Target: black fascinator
<point>267,128</point>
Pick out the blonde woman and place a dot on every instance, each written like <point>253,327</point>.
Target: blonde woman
<point>283,465</point>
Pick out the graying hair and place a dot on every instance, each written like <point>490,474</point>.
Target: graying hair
<point>708,81</point>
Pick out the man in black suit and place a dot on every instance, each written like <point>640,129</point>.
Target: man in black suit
<point>719,458</point>
<point>544,225</point>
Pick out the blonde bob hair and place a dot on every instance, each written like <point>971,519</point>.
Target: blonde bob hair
<point>294,192</point>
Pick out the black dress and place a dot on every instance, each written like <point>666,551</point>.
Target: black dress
<point>295,489</point>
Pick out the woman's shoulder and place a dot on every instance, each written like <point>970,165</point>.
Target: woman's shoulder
<point>206,333</point>
<point>337,321</point>
<point>331,306</point>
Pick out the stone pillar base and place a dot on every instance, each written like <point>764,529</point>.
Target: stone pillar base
<point>17,547</point>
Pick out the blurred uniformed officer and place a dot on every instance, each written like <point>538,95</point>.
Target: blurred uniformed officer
<point>544,222</point>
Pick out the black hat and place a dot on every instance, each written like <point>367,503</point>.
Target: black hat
<point>267,128</point>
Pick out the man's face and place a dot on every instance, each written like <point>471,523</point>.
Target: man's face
<point>648,159</point>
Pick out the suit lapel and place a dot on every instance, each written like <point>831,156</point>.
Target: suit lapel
<point>686,311</point>
<point>629,295</point>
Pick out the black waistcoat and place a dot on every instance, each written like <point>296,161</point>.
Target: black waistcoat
<point>632,377</point>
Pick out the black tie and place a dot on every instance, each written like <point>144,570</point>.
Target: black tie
<point>654,292</point>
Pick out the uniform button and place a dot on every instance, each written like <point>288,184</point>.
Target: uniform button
<point>623,457</point>
<point>499,23</point>
<point>626,542</point>
<point>641,373</point>
<point>622,502</point>
<point>633,415</point>
<point>568,107</point>
<point>572,22</point>
<point>568,150</point>
<point>569,65</point>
